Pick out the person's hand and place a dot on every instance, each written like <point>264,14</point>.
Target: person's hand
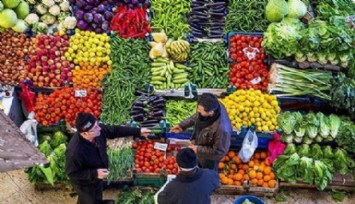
<point>145,132</point>
<point>102,173</point>
<point>176,129</point>
<point>194,148</point>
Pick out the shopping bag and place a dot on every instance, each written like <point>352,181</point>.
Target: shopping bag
<point>275,147</point>
<point>29,128</point>
<point>249,145</point>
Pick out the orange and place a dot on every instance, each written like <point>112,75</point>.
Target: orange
<point>231,172</point>
<point>272,175</point>
<point>254,181</point>
<point>238,177</point>
<point>224,181</point>
<point>221,175</point>
<point>267,162</point>
<point>259,175</point>
<point>262,155</point>
<point>265,185</point>
<point>261,168</point>
<point>230,182</point>
<point>257,155</point>
<point>233,166</point>
<point>221,165</point>
<point>226,158</point>
<point>246,177</point>
<point>245,167</point>
<point>237,183</point>
<point>241,171</point>
<point>267,170</point>
<point>240,166</point>
<point>267,178</point>
<point>237,159</point>
<point>251,164</point>
<point>272,183</point>
<point>231,154</point>
<point>260,182</point>
<point>252,174</point>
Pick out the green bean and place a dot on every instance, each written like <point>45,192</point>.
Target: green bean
<point>179,110</point>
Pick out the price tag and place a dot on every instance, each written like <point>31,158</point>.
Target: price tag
<point>255,81</point>
<point>250,52</point>
<point>160,146</point>
<point>80,93</point>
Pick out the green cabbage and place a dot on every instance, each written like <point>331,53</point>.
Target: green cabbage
<point>328,152</point>
<point>324,125</point>
<point>45,148</point>
<point>296,9</point>
<point>10,3</point>
<point>340,161</point>
<point>22,10</point>
<point>322,175</point>
<point>334,125</point>
<point>20,27</point>
<point>305,170</point>
<point>303,150</point>
<point>312,125</point>
<point>316,152</point>
<point>58,139</point>
<point>290,149</point>
<point>287,121</point>
<point>276,10</point>
<point>287,138</point>
<point>8,18</point>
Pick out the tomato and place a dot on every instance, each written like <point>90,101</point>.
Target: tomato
<point>134,145</point>
<point>234,56</point>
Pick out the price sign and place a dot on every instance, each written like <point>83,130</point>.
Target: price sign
<point>160,146</point>
<point>80,93</point>
<point>255,81</point>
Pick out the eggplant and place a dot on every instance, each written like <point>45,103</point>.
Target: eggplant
<point>158,113</point>
<point>216,14</point>
<point>215,4</point>
<point>140,93</point>
<point>138,108</point>
<point>138,117</point>
<point>151,99</point>
<point>160,105</point>
<point>159,101</point>
<point>147,122</point>
<point>135,112</point>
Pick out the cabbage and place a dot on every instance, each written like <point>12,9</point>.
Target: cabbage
<point>287,122</point>
<point>287,138</point>
<point>8,18</point>
<point>322,175</point>
<point>276,10</point>
<point>22,10</point>
<point>290,149</point>
<point>303,150</point>
<point>1,6</point>
<point>296,9</point>
<point>10,3</point>
<point>20,27</point>
<point>316,152</point>
<point>328,152</point>
<point>334,125</point>
<point>324,125</point>
<point>305,170</point>
<point>340,161</point>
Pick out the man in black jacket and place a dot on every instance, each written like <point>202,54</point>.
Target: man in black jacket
<point>192,185</point>
<point>86,156</point>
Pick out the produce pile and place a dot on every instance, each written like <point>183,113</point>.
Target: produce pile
<point>12,15</point>
<point>179,110</point>
<point>258,171</point>
<point>312,164</point>
<point>209,65</point>
<point>48,67</point>
<point>309,128</point>
<point>206,18</point>
<point>252,107</point>
<point>15,48</point>
<point>90,48</point>
<point>87,76</point>
<point>120,163</point>
<point>246,16</point>
<point>171,17</point>
<point>136,195</point>
<point>150,160</point>
<point>62,104</point>
<point>346,137</point>
<point>53,147</point>
<point>132,3</point>
<point>130,23</point>
<point>249,71</point>
<point>130,72</point>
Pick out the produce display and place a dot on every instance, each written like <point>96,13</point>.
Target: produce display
<point>90,48</point>
<point>62,104</point>
<point>120,162</point>
<point>15,49</point>
<point>93,16</point>
<point>136,195</point>
<point>310,128</point>
<point>179,110</point>
<point>312,164</point>
<point>206,18</point>
<point>295,82</point>
<point>346,136</point>
<point>126,77</point>
<point>258,171</point>
<point>209,65</point>
<point>148,110</point>
<point>150,160</point>
<point>87,76</point>
<point>246,16</point>
<point>342,94</point>
<point>252,107</point>
<point>48,67</point>
<point>168,75</point>
<point>249,71</point>
<point>12,15</point>
<point>133,3</point>
<point>171,17</point>
<point>130,23</point>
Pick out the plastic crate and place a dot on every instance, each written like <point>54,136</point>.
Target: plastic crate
<point>263,139</point>
<point>149,179</point>
<point>182,136</point>
<point>252,199</point>
<point>231,34</point>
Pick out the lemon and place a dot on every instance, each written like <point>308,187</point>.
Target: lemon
<point>251,114</point>
<point>252,120</point>
<point>265,128</point>
<point>256,104</point>
<point>246,109</point>
<point>247,103</point>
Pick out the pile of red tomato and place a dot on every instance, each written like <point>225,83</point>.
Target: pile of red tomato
<point>248,69</point>
<point>150,160</point>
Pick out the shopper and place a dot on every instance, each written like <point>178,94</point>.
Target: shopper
<point>212,131</point>
<point>192,184</point>
<point>86,156</point>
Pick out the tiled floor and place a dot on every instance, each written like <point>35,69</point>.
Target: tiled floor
<point>16,189</point>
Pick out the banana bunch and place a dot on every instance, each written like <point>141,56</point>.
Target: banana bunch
<point>167,75</point>
<point>178,50</point>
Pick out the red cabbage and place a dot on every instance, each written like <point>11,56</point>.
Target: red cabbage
<point>89,7</point>
<point>88,17</point>
<point>101,8</point>
<point>98,18</point>
<point>80,3</point>
<point>79,14</point>
<point>108,15</point>
<point>82,25</point>
<point>105,25</point>
<point>98,30</point>
<point>135,2</point>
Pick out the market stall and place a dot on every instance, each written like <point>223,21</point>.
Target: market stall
<point>284,70</point>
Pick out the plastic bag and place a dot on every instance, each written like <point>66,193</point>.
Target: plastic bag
<point>29,128</point>
<point>275,147</point>
<point>250,143</point>
<point>28,97</point>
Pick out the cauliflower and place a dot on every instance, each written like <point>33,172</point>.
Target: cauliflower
<point>48,3</point>
<point>65,6</point>
<point>61,27</point>
<point>54,10</point>
<point>32,18</point>
<point>62,16</point>
<point>41,9</point>
<point>32,1</point>
<point>48,19</point>
<point>70,22</point>
<point>59,1</point>
<point>40,27</point>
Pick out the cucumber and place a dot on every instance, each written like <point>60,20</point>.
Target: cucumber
<point>156,82</point>
<point>180,81</point>
<point>178,71</point>
<point>158,78</point>
<point>158,64</point>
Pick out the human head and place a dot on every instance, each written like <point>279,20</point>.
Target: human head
<point>207,104</point>
<point>87,125</point>
<point>186,159</point>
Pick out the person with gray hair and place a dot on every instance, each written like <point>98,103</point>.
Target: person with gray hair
<point>192,184</point>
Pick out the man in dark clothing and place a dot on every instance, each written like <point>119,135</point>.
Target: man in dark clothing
<point>192,185</point>
<point>212,131</point>
<point>86,156</point>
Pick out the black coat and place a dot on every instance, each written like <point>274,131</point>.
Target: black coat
<point>83,157</point>
<point>190,189</point>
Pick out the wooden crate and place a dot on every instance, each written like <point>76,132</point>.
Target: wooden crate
<point>231,190</point>
<point>262,191</point>
<point>56,186</point>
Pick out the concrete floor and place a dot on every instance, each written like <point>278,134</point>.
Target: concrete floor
<point>16,189</point>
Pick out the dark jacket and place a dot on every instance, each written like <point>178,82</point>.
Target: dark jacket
<point>83,157</point>
<point>213,141</point>
<point>190,189</point>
